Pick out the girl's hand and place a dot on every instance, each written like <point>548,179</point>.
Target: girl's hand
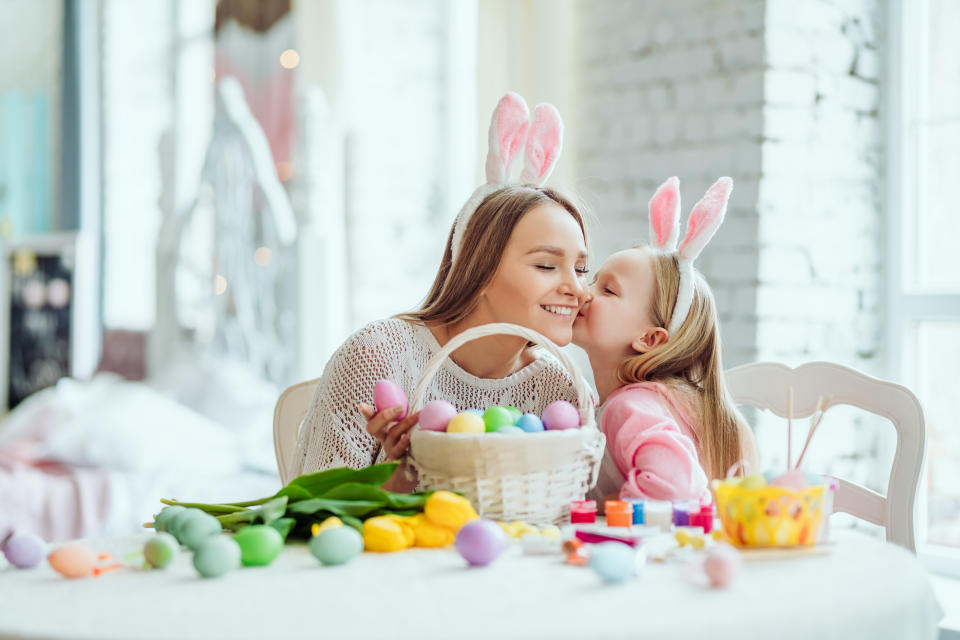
<point>394,437</point>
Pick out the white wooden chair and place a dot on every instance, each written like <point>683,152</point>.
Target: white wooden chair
<point>291,407</point>
<point>765,384</point>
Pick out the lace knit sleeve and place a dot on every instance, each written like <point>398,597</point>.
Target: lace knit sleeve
<point>334,432</point>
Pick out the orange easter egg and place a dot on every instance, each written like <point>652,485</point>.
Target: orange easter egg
<point>72,560</point>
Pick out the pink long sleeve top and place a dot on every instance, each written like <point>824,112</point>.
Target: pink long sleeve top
<point>651,446</point>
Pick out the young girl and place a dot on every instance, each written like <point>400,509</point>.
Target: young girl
<point>515,254</point>
<point>651,330</point>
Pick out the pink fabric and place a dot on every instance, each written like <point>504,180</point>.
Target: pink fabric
<point>513,118</point>
<point>705,218</point>
<point>543,147</point>
<point>654,452</point>
<point>665,211</point>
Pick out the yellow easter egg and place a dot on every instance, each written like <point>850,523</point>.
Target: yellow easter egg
<point>552,532</point>
<point>466,422</point>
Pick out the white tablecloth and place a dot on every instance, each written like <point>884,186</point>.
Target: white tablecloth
<point>862,588</point>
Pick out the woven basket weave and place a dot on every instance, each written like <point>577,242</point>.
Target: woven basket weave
<point>531,476</point>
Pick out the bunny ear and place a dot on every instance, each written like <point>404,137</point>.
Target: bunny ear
<point>508,131</point>
<point>705,218</point>
<point>543,145</point>
<point>665,215</point>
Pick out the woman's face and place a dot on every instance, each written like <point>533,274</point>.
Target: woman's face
<point>618,307</point>
<point>539,283</point>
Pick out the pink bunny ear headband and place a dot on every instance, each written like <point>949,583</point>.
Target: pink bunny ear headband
<point>511,129</point>
<point>703,222</point>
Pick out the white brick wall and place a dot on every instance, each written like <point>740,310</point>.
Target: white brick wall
<point>783,97</point>
<point>676,89</point>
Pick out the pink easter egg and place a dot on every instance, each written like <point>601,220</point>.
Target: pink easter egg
<point>795,480</point>
<point>387,394</point>
<point>721,565</point>
<point>72,560</point>
<point>561,415</point>
<point>436,415</point>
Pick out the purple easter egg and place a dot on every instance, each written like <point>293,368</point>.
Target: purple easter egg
<point>480,542</point>
<point>25,550</point>
<point>436,414</point>
<point>387,394</point>
<point>561,415</point>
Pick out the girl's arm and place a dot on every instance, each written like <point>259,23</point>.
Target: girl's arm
<point>658,461</point>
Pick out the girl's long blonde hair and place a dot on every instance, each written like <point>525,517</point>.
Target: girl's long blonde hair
<point>458,284</point>
<point>691,361</point>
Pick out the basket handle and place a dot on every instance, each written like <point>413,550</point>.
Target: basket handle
<point>584,397</point>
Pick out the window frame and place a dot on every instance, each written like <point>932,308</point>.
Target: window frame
<point>906,308</point>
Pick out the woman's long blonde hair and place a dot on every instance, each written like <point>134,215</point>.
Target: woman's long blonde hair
<point>691,361</point>
<point>458,284</point>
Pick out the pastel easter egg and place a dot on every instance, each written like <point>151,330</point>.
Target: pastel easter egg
<point>466,422</point>
<point>508,429</point>
<point>722,564</point>
<point>561,415</point>
<point>753,481</point>
<point>436,415</point>
<point>24,550</point>
<point>514,412</point>
<point>259,544</point>
<point>496,417</point>
<point>530,422</point>
<point>476,411</point>
<point>336,546</point>
<point>178,519</point>
<point>217,556</point>
<point>795,480</point>
<point>160,550</point>
<point>72,560</point>
<point>613,561</point>
<point>197,528</point>
<point>163,519</point>
<point>480,542</point>
<point>387,394</point>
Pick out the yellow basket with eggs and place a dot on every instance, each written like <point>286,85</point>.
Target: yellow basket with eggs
<point>770,516</point>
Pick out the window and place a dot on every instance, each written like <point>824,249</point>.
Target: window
<point>924,282</point>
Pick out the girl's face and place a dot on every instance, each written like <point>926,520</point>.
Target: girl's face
<point>539,283</point>
<point>618,308</point>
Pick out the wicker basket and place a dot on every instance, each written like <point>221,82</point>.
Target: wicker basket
<point>529,477</point>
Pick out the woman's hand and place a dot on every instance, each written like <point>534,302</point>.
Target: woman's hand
<point>394,437</point>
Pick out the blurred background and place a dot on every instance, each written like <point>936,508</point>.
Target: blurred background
<point>200,200</point>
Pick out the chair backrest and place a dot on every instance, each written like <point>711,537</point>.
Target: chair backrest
<point>765,384</point>
<point>291,407</point>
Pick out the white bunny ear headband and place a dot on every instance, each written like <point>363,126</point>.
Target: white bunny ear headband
<point>703,222</point>
<point>511,129</point>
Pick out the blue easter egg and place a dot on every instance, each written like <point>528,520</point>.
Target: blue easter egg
<point>476,411</point>
<point>613,561</point>
<point>814,479</point>
<point>770,475</point>
<point>530,423</point>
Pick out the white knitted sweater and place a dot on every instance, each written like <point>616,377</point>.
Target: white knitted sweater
<point>334,432</point>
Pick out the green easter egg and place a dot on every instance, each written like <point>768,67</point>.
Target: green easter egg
<point>496,417</point>
<point>336,546</point>
<point>217,556</point>
<point>177,520</point>
<point>160,550</point>
<point>515,413</point>
<point>196,528</point>
<point>753,481</point>
<point>259,544</point>
<point>163,518</point>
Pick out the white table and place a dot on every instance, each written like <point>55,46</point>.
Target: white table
<point>862,588</point>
